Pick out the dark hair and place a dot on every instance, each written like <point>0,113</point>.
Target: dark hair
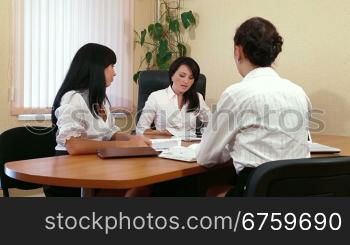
<point>260,41</point>
<point>190,95</point>
<point>86,72</point>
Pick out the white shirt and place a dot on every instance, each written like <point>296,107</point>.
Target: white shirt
<point>162,108</point>
<point>262,118</point>
<point>74,119</point>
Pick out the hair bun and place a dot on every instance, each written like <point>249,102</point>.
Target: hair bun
<point>260,41</point>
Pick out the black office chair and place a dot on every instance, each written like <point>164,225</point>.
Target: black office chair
<point>24,143</point>
<point>150,81</point>
<point>329,176</point>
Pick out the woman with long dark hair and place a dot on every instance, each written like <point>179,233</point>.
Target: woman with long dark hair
<point>81,110</point>
<point>174,110</point>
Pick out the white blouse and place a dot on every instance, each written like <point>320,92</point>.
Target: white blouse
<point>260,119</point>
<point>74,119</point>
<point>162,109</point>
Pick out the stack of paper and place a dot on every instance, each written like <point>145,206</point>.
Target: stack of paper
<point>188,139</point>
<point>181,132</point>
<point>165,144</point>
<point>181,153</point>
<point>319,148</point>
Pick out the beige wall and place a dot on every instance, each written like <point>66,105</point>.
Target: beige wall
<point>316,51</point>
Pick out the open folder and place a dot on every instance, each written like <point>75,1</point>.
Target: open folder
<point>127,152</point>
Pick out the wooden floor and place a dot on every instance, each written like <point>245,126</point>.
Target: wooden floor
<point>24,193</point>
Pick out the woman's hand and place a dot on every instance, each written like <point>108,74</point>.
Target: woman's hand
<point>78,146</point>
<point>120,136</point>
<point>134,141</point>
<point>157,132</point>
<point>165,133</point>
<point>140,140</point>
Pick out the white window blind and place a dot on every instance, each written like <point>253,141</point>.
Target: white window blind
<point>46,36</point>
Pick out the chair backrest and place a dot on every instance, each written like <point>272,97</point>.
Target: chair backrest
<point>329,176</point>
<point>24,143</point>
<point>150,81</point>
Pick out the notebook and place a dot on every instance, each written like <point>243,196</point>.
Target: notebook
<point>319,148</point>
<point>127,152</point>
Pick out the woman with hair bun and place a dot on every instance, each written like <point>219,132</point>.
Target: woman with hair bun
<point>263,117</point>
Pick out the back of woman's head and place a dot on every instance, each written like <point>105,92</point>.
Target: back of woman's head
<point>86,72</point>
<point>191,94</point>
<point>260,41</point>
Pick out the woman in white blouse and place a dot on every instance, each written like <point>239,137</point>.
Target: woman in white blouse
<point>81,110</point>
<point>262,118</point>
<point>174,110</point>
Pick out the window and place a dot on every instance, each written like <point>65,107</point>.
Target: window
<point>47,34</point>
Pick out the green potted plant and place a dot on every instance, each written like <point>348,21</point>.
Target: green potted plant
<point>163,40</point>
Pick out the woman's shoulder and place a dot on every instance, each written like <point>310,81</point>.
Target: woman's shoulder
<point>159,94</point>
<point>72,97</point>
<point>200,96</point>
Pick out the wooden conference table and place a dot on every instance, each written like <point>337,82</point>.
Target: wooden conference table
<point>90,172</point>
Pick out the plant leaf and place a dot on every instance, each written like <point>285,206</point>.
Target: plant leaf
<point>151,30</point>
<point>188,19</point>
<point>163,61</point>
<point>162,35</point>
<point>182,49</point>
<point>163,46</point>
<point>191,18</point>
<point>136,76</point>
<point>148,57</point>
<point>174,25</point>
<point>185,22</point>
<point>163,55</point>
<point>143,35</point>
<point>158,31</point>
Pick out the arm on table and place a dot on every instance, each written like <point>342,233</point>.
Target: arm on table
<point>78,146</point>
<point>157,132</point>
